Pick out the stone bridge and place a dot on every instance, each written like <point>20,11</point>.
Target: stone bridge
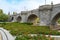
<point>45,14</point>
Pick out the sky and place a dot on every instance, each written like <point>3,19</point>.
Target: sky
<point>23,5</point>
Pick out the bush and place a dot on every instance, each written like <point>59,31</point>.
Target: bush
<point>28,23</point>
<point>26,37</point>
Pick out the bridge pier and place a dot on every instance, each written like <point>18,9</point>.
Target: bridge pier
<point>43,23</point>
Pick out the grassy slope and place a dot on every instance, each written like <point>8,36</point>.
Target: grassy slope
<point>24,28</point>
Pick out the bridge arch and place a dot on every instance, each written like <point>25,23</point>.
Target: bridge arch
<point>32,18</point>
<point>19,19</point>
<point>12,18</point>
<point>55,18</point>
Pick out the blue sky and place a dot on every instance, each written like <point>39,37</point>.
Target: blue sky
<point>21,5</point>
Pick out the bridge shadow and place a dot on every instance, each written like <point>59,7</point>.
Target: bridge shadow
<point>55,27</point>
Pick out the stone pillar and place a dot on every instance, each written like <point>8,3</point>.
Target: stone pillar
<point>24,18</point>
<point>44,18</point>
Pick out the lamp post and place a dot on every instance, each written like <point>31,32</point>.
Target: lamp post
<point>45,2</point>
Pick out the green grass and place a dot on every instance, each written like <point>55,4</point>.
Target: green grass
<point>27,28</point>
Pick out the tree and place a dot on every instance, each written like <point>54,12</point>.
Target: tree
<point>1,11</point>
<point>3,17</point>
<point>14,13</point>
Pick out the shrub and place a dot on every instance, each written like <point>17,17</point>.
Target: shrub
<point>26,37</point>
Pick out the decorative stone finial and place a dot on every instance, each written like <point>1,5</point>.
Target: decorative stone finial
<point>51,5</point>
<point>51,2</point>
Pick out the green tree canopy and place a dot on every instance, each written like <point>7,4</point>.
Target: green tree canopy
<point>14,13</point>
<point>1,11</point>
<point>3,17</point>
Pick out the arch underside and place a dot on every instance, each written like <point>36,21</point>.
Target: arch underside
<point>11,19</point>
<point>19,19</point>
<point>32,18</point>
<point>55,18</point>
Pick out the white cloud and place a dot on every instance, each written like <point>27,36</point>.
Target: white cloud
<point>24,5</point>
<point>54,1</point>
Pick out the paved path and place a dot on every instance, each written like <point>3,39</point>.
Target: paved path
<point>55,37</point>
<point>0,37</point>
<point>5,35</point>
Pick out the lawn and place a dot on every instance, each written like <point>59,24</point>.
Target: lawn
<point>16,28</point>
